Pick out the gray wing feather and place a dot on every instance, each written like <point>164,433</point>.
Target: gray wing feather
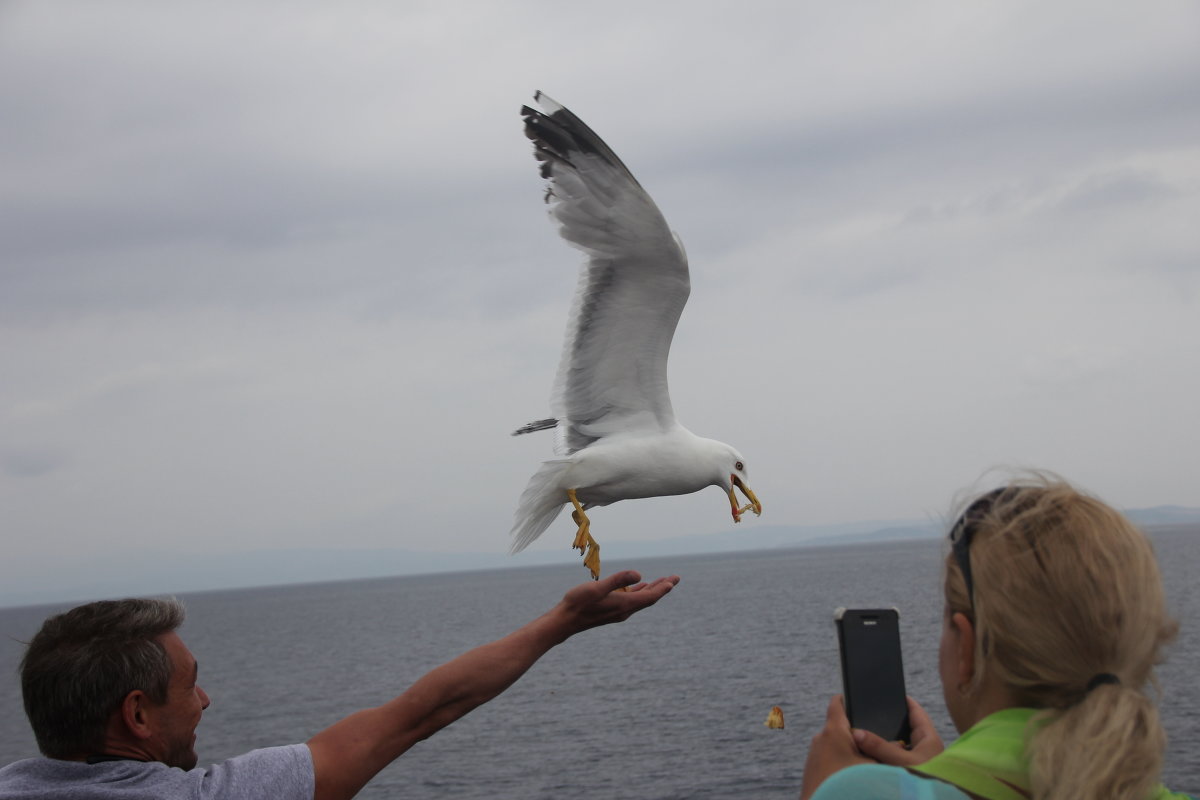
<point>613,373</point>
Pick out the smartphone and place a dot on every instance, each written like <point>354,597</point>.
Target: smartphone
<point>873,671</point>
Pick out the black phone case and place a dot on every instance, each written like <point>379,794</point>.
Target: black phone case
<point>873,671</point>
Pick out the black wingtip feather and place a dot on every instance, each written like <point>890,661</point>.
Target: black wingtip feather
<point>559,134</point>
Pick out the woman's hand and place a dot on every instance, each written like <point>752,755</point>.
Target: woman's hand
<point>837,746</point>
<point>832,749</point>
<point>925,742</point>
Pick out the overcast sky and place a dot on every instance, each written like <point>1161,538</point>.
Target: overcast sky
<point>279,275</point>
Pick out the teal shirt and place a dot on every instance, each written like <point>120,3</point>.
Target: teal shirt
<point>988,761</point>
<point>879,782</point>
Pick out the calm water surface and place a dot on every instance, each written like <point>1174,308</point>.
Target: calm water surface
<point>668,705</point>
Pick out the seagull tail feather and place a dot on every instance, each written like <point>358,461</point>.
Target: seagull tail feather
<point>536,425</point>
<point>540,503</point>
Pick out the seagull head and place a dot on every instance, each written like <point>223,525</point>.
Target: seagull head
<point>731,476</point>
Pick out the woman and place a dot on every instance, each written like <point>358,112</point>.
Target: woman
<point>1054,619</point>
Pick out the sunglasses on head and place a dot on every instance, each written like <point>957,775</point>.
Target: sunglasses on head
<point>964,530</point>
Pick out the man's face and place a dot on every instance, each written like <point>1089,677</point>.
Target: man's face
<point>175,720</point>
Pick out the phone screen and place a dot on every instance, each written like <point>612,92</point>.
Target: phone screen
<point>872,671</point>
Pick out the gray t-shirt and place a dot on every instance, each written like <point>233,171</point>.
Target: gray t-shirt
<point>278,773</point>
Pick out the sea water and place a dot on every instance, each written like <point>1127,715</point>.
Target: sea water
<point>670,704</point>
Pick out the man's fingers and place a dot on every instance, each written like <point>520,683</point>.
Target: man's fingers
<point>627,577</point>
<point>665,584</point>
<point>659,586</point>
<point>604,598</point>
<point>650,593</point>
<point>637,592</point>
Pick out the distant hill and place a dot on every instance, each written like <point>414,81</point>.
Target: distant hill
<point>765,537</point>
<point>167,573</point>
<point>1164,515</point>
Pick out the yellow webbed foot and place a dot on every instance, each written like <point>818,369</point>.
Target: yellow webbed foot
<point>583,534</point>
<point>591,558</point>
<point>584,542</point>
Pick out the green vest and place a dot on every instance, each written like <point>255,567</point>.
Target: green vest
<point>989,759</point>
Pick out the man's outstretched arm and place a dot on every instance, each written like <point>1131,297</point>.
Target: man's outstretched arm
<point>349,753</point>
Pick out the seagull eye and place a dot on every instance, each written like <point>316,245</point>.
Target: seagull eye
<point>738,466</point>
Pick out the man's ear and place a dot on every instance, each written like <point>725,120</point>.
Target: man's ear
<point>964,649</point>
<point>135,714</point>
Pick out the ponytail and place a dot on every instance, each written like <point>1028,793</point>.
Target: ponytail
<point>1110,744</point>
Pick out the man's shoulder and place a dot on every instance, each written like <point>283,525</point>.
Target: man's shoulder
<point>284,772</point>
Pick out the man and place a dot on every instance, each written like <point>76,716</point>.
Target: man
<point>112,695</point>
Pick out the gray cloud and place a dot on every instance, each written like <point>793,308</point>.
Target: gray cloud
<point>30,462</point>
<point>266,275</point>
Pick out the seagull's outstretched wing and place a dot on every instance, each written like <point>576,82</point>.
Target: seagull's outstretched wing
<point>613,373</point>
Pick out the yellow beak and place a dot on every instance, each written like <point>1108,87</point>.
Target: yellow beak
<point>733,501</point>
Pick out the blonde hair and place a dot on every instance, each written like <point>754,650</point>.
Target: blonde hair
<point>1066,589</point>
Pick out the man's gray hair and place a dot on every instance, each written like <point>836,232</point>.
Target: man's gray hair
<point>82,664</point>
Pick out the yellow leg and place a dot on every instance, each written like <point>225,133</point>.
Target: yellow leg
<point>584,542</point>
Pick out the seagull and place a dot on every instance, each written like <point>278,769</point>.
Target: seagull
<point>616,436</point>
